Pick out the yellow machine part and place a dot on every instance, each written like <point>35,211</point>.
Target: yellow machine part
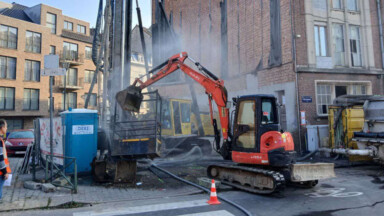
<point>176,119</point>
<point>353,121</point>
<point>206,122</point>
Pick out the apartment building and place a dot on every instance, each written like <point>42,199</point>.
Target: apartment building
<point>27,34</point>
<point>338,53</point>
<point>305,52</point>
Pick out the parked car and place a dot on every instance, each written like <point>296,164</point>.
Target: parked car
<point>18,140</point>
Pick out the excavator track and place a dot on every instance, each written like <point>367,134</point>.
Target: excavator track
<point>254,180</point>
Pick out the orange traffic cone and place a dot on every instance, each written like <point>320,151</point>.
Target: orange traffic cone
<point>213,198</point>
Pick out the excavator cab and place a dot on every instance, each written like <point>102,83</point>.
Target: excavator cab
<point>255,115</point>
<point>256,136</point>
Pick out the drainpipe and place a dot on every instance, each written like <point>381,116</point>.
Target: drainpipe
<point>292,11</point>
<point>378,5</point>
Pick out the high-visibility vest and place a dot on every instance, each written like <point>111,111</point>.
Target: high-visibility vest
<point>5,158</point>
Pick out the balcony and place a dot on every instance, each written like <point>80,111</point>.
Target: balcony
<point>71,57</point>
<point>70,84</point>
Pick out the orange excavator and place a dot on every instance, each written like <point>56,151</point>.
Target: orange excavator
<point>261,157</point>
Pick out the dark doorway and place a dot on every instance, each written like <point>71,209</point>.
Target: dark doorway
<point>282,110</point>
<point>341,90</point>
<point>176,117</point>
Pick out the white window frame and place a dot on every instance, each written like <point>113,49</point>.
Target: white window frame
<point>335,38</point>
<point>341,4</point>
<point>320,45</point>
<point>356,4</point>
<point>358,46</point>
<point>348,83</point>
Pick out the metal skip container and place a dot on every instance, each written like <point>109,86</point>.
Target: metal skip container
<point>80,138</point>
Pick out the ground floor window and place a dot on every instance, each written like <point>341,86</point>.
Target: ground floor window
<point>14,124</point>
<point>327,91</point>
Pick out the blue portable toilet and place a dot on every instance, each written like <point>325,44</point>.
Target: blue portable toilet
<point>80,138</point>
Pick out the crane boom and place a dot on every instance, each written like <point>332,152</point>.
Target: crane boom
<point>130,98</point>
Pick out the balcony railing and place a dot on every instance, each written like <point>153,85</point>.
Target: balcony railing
<point>71,57</point>
<point>71,84</point>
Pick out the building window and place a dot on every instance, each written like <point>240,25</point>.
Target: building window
<point>337,4</point>
<point>71,77</point>
<point>319,4</point>
<point>7,67</point>
<point>33,43</point>
<point>338,35</point>
<point>352,5</point>
<point>68,25</point>
<point>14,124</point>
<point>52,50</point>
<point>7,98</point>
<point>70,100</point>
<point>88,52</point>
<point>81,29</point>
<point>31,99</point>
<point>92,99</point>
<point>323,98</point>
<point>32,71</point>
<point>88,76</point>
<point>358,90</point>
<point>354,40</point>
<point>321,40</point>
<point>51,22</point>
<point>70,51</point>
<point>8,37</point>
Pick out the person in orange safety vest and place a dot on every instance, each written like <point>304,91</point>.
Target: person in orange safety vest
<point>5,169</point>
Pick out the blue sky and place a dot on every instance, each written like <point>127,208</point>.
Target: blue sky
<point>87,9</point>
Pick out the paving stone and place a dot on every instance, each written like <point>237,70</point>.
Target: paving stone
<point>207,183</point>
<point>32,185</point>
<point>48,187</point>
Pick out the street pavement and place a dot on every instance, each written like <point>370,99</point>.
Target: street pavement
<point>355,191</point>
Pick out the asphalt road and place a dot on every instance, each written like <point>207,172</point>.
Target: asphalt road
<point>355,191</point>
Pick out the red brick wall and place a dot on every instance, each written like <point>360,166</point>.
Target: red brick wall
<point>300,29</point>
<point>375,32</point>
<point>307,88</point>
<point>248,36</point>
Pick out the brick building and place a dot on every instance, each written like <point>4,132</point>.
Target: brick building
<point>26,35</point>
<point>306,52</point>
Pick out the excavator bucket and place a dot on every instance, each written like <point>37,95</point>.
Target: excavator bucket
<point>130,98</point>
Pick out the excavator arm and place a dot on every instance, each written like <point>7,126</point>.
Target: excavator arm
<point>130,98</point>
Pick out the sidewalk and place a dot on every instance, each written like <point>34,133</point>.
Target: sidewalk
<point>17,197</point>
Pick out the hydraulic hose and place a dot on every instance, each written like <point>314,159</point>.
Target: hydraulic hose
<point>307,156</point>
<point>96,39</point>
<point>245,211</point>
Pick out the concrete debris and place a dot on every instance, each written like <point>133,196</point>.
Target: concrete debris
<point>206,182</point>
<point>32,185</point>
<point>61,181</point>
<point>48,188</point>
